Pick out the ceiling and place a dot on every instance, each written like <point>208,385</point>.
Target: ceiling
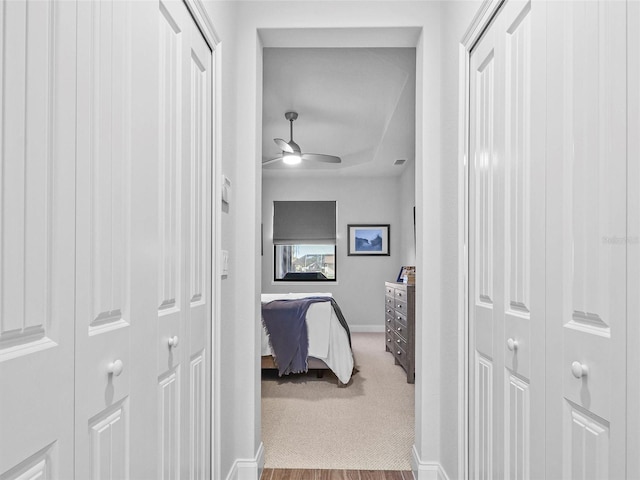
<point>355,103</point>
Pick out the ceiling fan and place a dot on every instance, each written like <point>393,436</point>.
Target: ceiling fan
<point>291,153</point>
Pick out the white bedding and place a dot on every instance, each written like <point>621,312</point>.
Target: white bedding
<point>328,341</point>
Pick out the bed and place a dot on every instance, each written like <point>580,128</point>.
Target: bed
<point>329,342</point>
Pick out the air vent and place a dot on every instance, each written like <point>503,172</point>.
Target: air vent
<point>399,162</point>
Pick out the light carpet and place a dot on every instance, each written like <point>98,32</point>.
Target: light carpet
<point>309,422</point>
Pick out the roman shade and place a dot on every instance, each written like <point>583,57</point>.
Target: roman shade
<point>304,222</point>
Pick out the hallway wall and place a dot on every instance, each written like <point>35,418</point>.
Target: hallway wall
<point>456,17</point>
<point>238,23</point>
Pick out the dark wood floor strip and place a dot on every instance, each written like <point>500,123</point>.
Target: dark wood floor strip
<point>300,474</point>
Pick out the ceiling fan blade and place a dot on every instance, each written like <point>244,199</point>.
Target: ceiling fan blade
<point>318,157</point>
<point>284,146</point>
<point>270,161</point>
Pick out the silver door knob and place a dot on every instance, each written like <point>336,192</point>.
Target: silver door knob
<point>512,344</point>
<point>173,341</point>
<point>115,368</point>
<point>579,370</point>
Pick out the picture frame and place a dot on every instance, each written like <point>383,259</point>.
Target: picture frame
<point>368,240</point>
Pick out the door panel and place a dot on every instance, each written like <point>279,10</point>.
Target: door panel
<point>587,240</point>
<point>483,141</point>
<point>103,233</point>
<point>507,243</point>
<point>184,204</point>
<point>37,202</point>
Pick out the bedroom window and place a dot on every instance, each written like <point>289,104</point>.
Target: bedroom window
<point>304,238</point>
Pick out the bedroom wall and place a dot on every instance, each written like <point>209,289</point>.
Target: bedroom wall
<point>407,200</point>
<point>360,285</point>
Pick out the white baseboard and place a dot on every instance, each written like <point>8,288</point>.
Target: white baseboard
<point>248,469</point>
<point>367,328</point>
<point>426,470</point>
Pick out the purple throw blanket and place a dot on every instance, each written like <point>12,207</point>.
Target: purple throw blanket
<point>285,321</point>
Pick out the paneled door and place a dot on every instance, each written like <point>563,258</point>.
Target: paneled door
<point>183,299</point>
<point>506,245</point>
<point>37,209</point>
<point>116,271</point>
<point>587,240</point>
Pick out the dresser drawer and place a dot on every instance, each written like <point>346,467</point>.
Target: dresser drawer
<point>389,320</point>
<point>389,339</point>
<point>390,291</point>
<point>400,294</point>
<point>400,318</point>
<point>401,306</point>
<point>390,302</point>
<point>400,354</point>
<point>400,329</point>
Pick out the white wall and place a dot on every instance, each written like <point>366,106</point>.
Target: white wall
<point>238,23</point>
<point>360,286</point>
<point>456,17</point>
<point>407,200</point>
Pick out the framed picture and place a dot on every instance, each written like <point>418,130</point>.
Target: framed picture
<point>368,240</point>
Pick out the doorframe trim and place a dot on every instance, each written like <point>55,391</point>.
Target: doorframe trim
<point>207,29</point>
<point>478,25</point>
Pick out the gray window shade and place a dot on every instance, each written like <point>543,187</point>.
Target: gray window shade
<point>312,223</point>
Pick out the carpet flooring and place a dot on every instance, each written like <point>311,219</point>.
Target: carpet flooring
<point>310,423</point>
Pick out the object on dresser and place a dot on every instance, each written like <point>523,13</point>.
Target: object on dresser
<point>400,325</point>
<point>407,275</point>
<point>325,330</point>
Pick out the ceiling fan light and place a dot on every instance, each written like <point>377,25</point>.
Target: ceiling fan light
<point>291,158</point>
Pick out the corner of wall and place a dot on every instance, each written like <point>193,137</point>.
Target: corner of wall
<point>426,470</point>
<point>251,469</point>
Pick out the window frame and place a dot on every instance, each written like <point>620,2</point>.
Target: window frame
<point>306,280</point>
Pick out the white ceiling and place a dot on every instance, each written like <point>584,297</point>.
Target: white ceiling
<point>355,103</point>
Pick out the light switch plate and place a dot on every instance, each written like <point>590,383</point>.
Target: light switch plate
<point>224,271</point>
<point>226,189</point>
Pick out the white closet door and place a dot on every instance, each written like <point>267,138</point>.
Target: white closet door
<point>37,182</point>
<point>485,285</point>
<point>586,240</point>
<point>116,213</point>
<point>633,238</point>
<point>507,169</point>
<point>184,200</point>
<point>522,50</point>
<point>198,239</point>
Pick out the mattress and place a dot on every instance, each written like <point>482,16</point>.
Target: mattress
<point>328,340</point>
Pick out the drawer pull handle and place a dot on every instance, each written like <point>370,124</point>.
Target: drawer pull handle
<point>388,320</point>
<point>399,318</point>
<point>389,311</point>
<point>398,341</point>
<point>388,340</point>
<point>388,330</point>
<point>399,305</point>
<point>399,329</point>
<point>399,352</point>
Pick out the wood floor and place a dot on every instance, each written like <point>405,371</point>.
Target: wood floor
<point>297,474</point>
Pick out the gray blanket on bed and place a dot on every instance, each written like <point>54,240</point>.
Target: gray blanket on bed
<point>285,322</point>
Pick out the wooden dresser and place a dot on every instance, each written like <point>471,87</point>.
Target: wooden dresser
<point>400,325</point>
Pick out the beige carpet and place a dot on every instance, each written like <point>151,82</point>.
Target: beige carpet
<point>369,425</point>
